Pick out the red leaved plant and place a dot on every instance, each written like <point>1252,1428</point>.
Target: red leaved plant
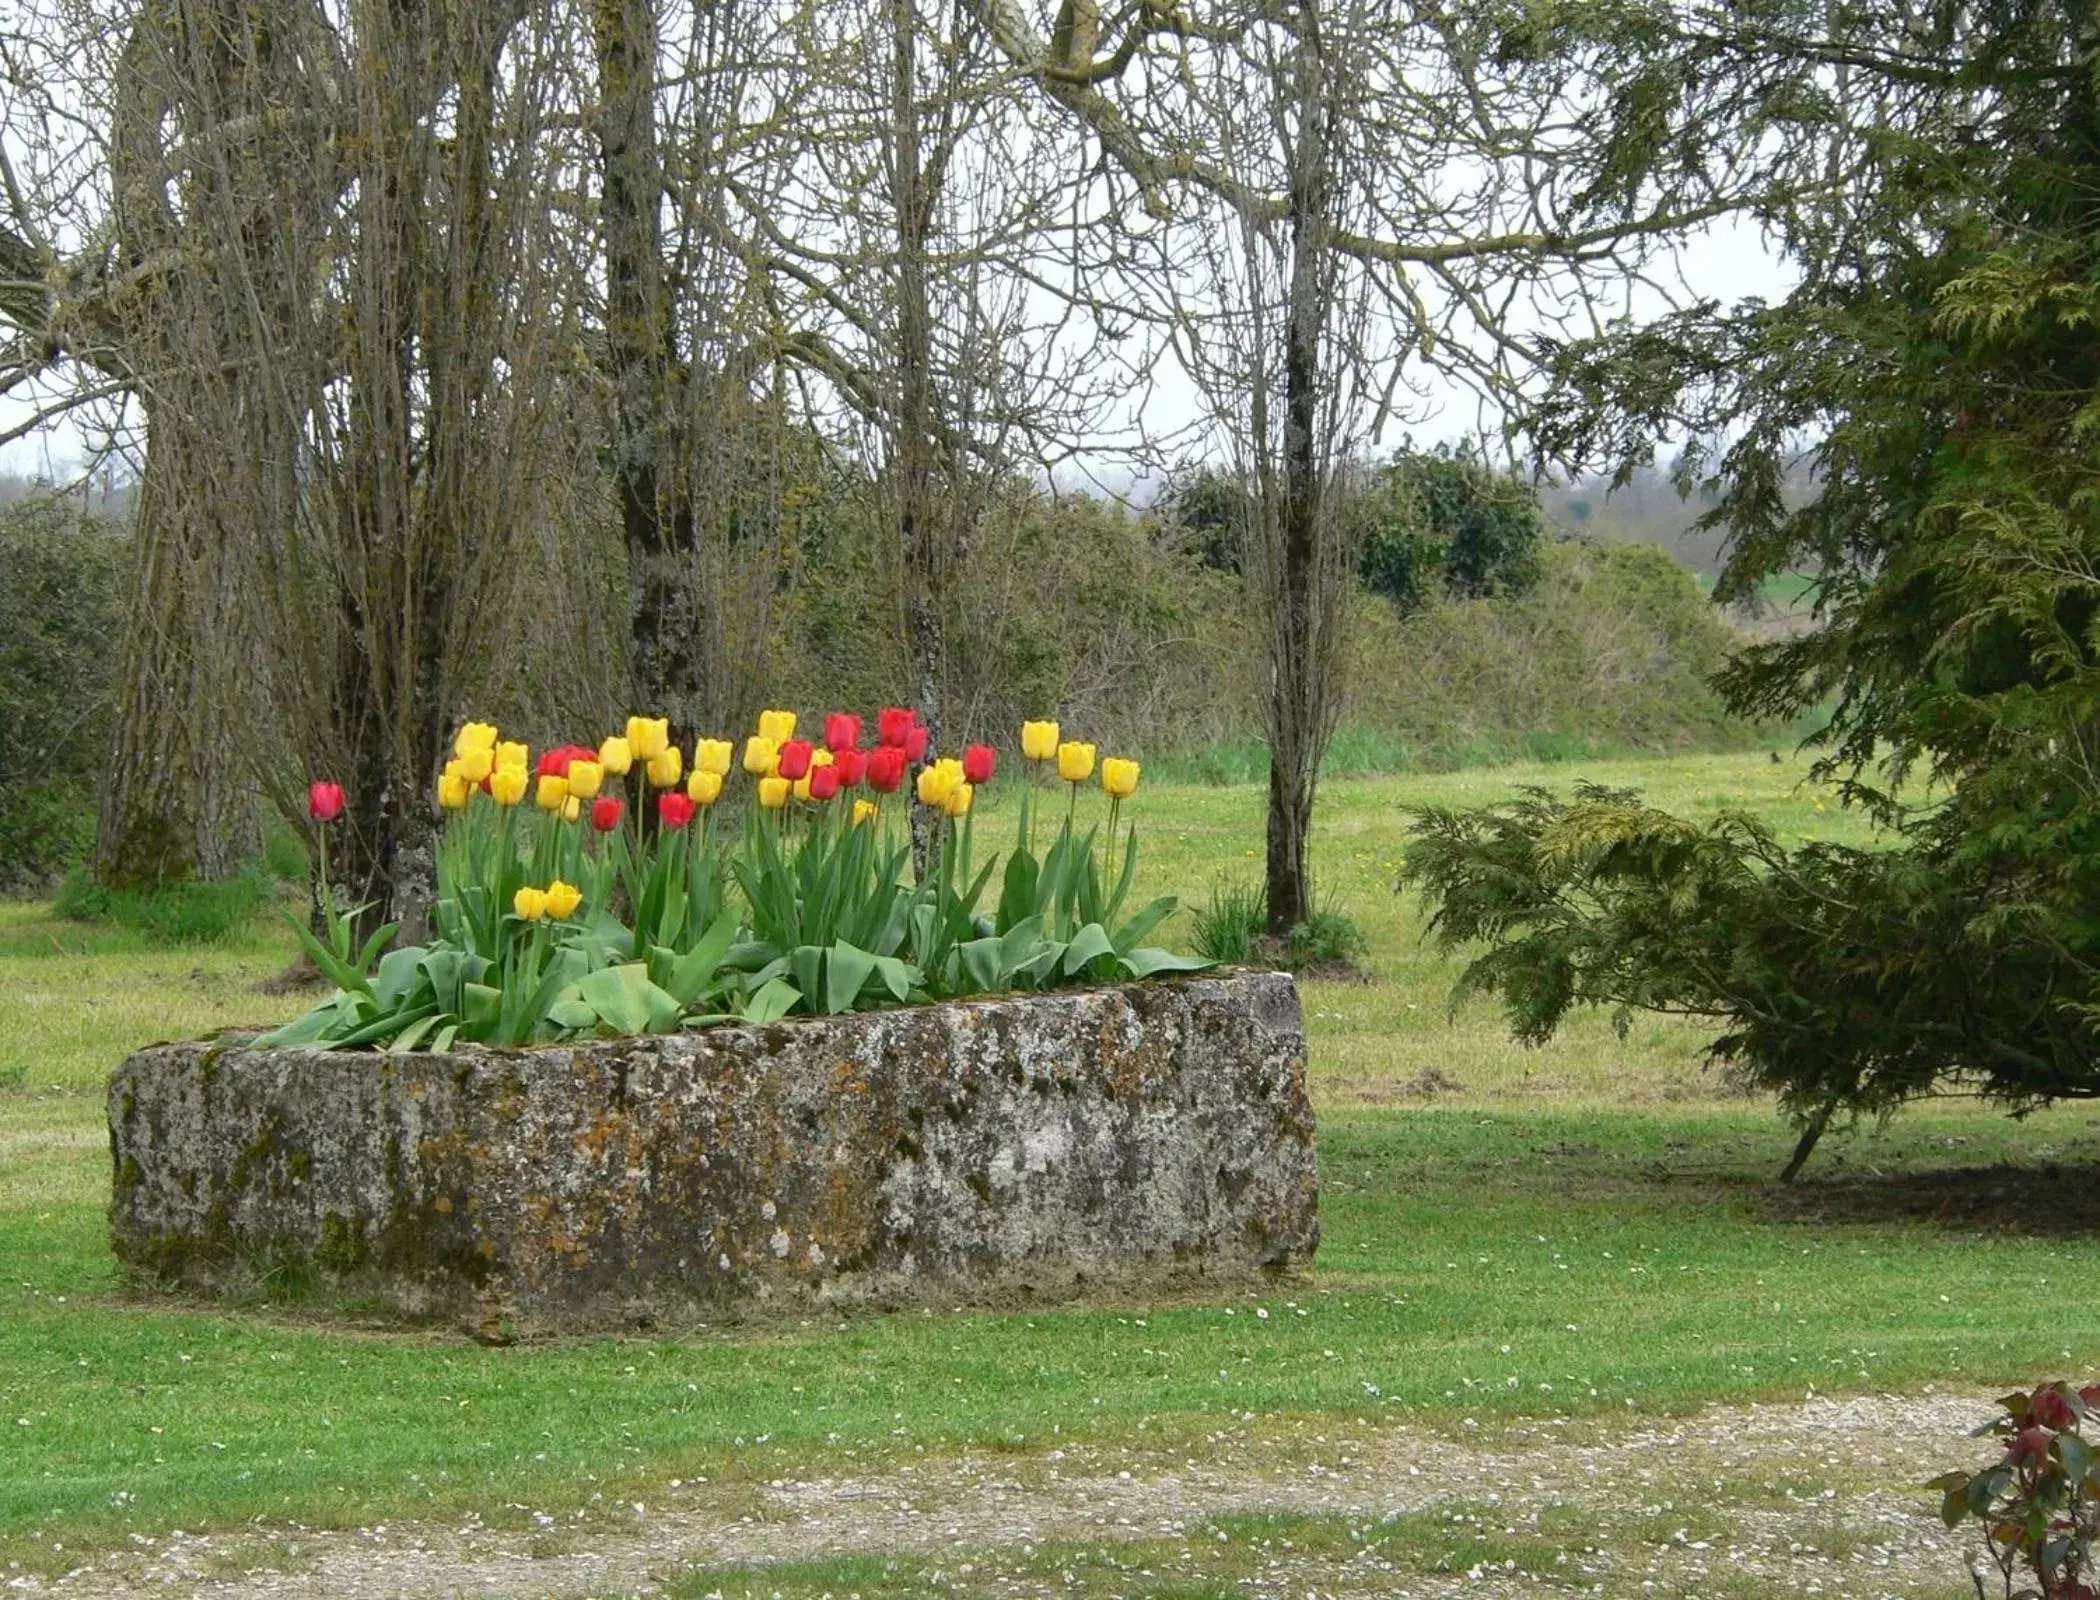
<point>2039,1503</point>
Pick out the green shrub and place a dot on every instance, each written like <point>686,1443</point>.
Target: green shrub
<point>61,612</point>
<point>190,913</point>
<point>1231,929</point>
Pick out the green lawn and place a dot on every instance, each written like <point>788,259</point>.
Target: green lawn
<point>1575,1230</point>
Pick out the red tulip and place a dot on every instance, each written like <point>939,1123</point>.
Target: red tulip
<point>554,763</point>
<point>324,801</point>
<point>605,812</point>
<point>794,759</point>
<point>824,782</point>
<point>894,726</point>
<point>675,807</point>
<point>852,767</point>
<point>979,760</point>
<point>886,769</point>
<point>841,732</point>
<point>915,744</point>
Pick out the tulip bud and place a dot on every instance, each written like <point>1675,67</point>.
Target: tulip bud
<point>1075,761</point>
<point>761,756</point>
<point>675,809</point>
<point>474,765</point>
<point>572,809</point>
<point>605,812</point>
<point>937,782</point>
<point>886,769</point>
<point>1039,741</point>
<point>979,763</point>
<point>530,903</point>
<point>865,811</point>
<point>714,755</point>
<point>704,788</point>
<point>666,767</point>
<point>586,778</point>
<point>324,801</point>
<point>474,736</point>
<point>915,743</point>
<point>1119,777</point>
<point>773,792</point>
<point>823,782</point>
<point>852,767</point>
<point>513,757</point>
<point>616,756</point>
<point>648,737</point>
<point>841,732</point>
<point>562,900</point>
<point>957,801</point>
<point>552,792</point>
<point>893,725</point>
<point>507,785</point>
<point>453,788</point>
<point>794,759</point>
<point>778,726</point>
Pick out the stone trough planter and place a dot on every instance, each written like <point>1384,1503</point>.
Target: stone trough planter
<point>1126,1138</point>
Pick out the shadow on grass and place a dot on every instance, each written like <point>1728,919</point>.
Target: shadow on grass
<point>2051,1200</point>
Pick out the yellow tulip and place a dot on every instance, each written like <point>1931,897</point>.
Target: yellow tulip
<point>666,767</point>
<point>1039,741</point>
<point>507,785</point>
<point>714,755</point>
<point>1075,761</point>
<point>802,786</point>
<point>552,792</point>
<point>616,756</point>
<point>512,756</point>
<point>474,736</point>
<point>865,811</point>
<point>453,788</point>
<point>820,757</point>
<point>530,903</point>
<point>773,792</point>
<point>761,756</point>
<point>571,809</point>
<point>562,900</point>
<point>957,803</point>
<point>704,788</point>
<point>1119,777</point>
<point>937,782</point>
<point>474,765</point>
<point>779,726</point>
<point>648,737</point>
<point>586,778</point>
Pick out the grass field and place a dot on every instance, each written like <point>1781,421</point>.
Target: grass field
<point>1573,1231</point>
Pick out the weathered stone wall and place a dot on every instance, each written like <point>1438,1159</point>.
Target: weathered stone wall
<point>1124,1137</point>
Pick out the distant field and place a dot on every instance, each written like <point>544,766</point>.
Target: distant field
<point>1567,1231</point>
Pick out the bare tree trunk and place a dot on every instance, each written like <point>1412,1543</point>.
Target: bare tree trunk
<point>169,808</point>
<point>919,530</point>
<point>1299,717</point>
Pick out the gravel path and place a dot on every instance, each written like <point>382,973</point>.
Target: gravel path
<point>1797,1499</point>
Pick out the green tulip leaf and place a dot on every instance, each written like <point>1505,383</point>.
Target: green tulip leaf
<point>847,969</point>
<point>697,967</point>
<point>981,961</point>
<point>1145,963</point>
<point>771,1001</point>
<point>1091,943</point>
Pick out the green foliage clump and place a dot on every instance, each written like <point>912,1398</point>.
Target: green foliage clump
<point>1233,930</point>
<point>187,913</point>
<point>1440,523</point>
<point>61,613</point>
